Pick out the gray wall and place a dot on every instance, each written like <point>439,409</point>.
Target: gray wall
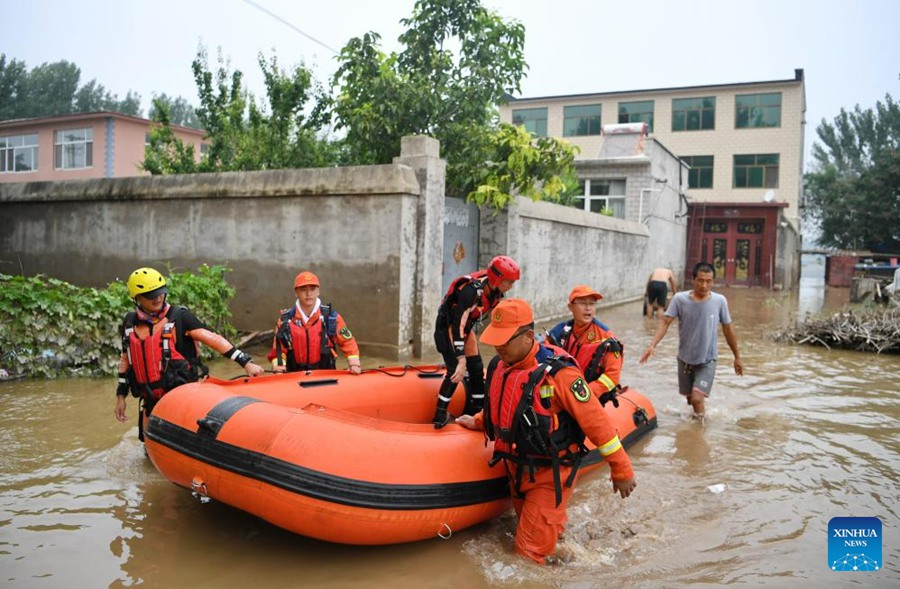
<point>374,235</point>
<point>357,228</point>
<point>558,247</point>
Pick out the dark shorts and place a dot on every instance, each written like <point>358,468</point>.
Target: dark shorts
<point>657,291</point>
<point>696,376</point>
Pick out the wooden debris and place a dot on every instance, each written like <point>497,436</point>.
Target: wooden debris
<point>874,331</point>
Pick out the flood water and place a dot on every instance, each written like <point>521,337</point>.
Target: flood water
<point>807,434</point>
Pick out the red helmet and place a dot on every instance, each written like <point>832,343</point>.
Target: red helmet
<point>502,268</point>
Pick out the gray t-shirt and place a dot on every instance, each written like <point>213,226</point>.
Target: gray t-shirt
<point>698,325</point>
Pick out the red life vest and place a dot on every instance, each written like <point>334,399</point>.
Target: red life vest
<point>309,346</point>
<point>589,357</point>
<point>157,366</point>
<point>519,421</point>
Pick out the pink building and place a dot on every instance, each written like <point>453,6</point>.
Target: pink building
<point>85,145</point>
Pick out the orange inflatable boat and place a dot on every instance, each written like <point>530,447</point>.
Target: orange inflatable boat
<point>342,458</point>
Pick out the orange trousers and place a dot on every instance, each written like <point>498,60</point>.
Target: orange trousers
<point>540,520</point>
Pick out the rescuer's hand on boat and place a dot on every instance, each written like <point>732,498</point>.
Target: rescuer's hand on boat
<point>254,369</point>
<point>467,421</point>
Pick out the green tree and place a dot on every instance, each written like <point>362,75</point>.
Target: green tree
<point>93,97</point>
<point>166,153</point>
<point>180,112</point>
<point>523,166</point>
<point>52,89</point>
<point>282,132</point>
<point>853,192</point>
<point>459,61</point>
<point>13,77</point>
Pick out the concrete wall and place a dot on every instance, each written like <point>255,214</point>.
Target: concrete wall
<point>374,236</point>
<point>558,247</point>
<point>356,227</point>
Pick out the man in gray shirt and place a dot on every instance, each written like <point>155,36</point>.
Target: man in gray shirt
<point>699,312</point>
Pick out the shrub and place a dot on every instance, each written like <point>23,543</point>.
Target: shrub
<point>51,328</point>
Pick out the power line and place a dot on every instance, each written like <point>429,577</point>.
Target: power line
<point>278,18</point>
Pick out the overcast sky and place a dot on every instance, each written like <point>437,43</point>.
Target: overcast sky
<point>850,50</point>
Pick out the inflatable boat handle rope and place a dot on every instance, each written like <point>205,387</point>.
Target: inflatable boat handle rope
<point>445,536</point>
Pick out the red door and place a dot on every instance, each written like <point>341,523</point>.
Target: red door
<point>734,247</point>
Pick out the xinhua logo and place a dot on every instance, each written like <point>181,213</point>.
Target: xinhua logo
<point>854,544</point>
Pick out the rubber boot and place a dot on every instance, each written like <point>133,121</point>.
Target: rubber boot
<point>440,418</point>
<point>444,395</point>
<point>474,385</point>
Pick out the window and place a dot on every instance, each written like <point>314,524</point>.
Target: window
<point>701,173</point>
<point>756,171</point>
<point>19,153</point>
<point>637,112</point>
<point>757,110</point>
<point>581,120</point>
<point>534,120</point>
<point>74,149</point>
<point>597,195</point>
<point>694,114</point>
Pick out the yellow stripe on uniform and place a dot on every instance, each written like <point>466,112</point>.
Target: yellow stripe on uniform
<point>607,382</point>
<point>610,446</point>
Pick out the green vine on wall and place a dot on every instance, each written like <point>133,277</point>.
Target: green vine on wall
<point>51,328</point>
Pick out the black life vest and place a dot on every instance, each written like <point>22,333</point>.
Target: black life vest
<point>521,425</point>
<point>486,301</point>
<point>308,347</point>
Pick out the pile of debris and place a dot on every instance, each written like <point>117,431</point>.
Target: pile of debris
<point>875,331</point>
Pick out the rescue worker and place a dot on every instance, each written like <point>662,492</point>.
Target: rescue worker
<point>468,299</point>
<point>596,350</point>
<point>159,346</point>
<point>307,334</point>
<point>538,412</point>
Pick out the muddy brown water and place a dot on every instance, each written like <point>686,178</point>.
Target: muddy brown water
<point>805,435</point>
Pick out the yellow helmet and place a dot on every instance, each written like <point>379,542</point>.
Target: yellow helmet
<point>146,281</point>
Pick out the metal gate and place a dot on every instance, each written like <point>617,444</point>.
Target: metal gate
<point>461,220</point>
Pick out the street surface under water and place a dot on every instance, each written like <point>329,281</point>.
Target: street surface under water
<point>807,434</point>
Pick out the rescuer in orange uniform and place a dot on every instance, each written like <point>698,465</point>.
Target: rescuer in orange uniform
<point>159,346</point>
<point>307,334</point>
<point>595,348</point>
<point>538,411</point>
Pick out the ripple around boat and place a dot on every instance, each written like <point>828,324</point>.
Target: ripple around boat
<point>349,459</point>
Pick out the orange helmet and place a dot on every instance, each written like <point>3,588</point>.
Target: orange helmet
<point>502,268</point>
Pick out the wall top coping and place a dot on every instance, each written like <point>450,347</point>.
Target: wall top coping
<point>549,211</point>
<point>350,180</point>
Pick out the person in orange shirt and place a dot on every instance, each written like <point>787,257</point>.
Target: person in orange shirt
<point>595,348</point>
<point>307,334</point>
<point>538,412</point>
<point>159,346</point>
